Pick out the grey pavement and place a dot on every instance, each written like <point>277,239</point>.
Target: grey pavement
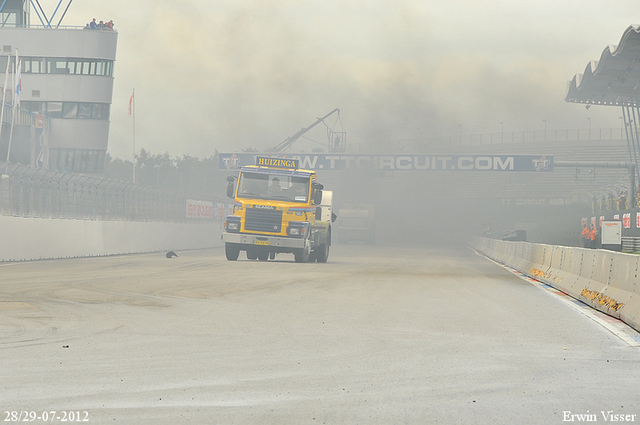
<point>378,335</point>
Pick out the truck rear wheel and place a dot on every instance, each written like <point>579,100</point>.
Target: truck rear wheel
<point>232,251</point>
<point>322,253</point>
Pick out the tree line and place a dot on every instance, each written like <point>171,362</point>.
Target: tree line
<point>197,177</point>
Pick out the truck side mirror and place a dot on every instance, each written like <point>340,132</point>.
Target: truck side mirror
<point>230,189</point>
<point>317,193</point>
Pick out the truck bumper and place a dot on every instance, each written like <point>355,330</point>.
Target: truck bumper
<point>262,240</point>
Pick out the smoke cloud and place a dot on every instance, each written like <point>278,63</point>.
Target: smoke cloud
<point>228,75</point>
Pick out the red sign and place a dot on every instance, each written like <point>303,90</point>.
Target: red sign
<point>220,211</point>
<point>199,209</point>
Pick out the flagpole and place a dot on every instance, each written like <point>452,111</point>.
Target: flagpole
<point>16,101</point>
<point>4,95</point>
<point>133,115</point>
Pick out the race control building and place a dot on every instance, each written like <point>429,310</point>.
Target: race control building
<point>66,82</point>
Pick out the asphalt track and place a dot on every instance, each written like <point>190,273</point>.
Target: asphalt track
<point>378,335</point>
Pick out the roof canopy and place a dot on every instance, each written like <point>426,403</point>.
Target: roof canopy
<point>615,78</point>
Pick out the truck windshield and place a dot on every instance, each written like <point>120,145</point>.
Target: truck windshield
<point>275,187</point>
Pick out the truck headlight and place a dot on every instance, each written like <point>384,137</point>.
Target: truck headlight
<point>298,229</point>
<point>232,224</point>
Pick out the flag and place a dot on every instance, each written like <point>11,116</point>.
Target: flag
<point>131,102</point>
<point>18,79</point>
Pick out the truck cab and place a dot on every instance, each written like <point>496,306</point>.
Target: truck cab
<point>278,208</point>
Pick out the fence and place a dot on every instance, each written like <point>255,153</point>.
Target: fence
<point>30,192</point>
<point>533,136</point>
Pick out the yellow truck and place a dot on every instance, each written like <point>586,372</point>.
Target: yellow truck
<point>357,223</point>
<point>278,208</point>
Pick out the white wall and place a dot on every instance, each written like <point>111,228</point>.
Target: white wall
<point>37,238</point>
<point>606,280</point>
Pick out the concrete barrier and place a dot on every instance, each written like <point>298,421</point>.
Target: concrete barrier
<point>37,238</point>
<point>605,280</point>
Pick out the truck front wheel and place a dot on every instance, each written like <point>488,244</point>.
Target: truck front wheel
<point>302,254</point>
<point>232,251</point>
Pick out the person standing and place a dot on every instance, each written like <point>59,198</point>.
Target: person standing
<point>592,237</point>
<point>585,236</point>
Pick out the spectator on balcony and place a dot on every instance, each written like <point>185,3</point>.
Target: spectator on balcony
<point>93,25</point>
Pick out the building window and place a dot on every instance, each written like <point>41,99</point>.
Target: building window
<point>54,110</point>
<point>72,66</point>
<point>77,160</point>
<point>33,107</point>
<point>84,110</point>
<point>9,19</point>
<point>98,111</point>
<point>58,66</point>
<point>69,110</point>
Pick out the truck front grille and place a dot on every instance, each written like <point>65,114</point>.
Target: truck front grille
<point>263,220</point>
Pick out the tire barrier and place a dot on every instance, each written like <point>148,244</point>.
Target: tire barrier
<point>631,243</point>
<point>605,280</point>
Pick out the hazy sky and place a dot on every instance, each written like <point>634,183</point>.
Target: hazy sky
<point>231,74</point>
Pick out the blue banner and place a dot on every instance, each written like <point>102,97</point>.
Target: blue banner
<point>401,162</point>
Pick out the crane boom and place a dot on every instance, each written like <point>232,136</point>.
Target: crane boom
<point>291,139</point>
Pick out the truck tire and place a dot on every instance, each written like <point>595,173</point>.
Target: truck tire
<point>252,254</point>
<point>302,255</point>
<point>263,256</point>
<point>322,253</point>
<point>232,251</point>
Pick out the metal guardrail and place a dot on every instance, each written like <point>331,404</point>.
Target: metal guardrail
<point>515,137</point>
<point>31,192</point>
<point>54,26</point>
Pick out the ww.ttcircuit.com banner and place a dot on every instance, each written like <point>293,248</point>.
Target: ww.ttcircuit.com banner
<point>407,162</point>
